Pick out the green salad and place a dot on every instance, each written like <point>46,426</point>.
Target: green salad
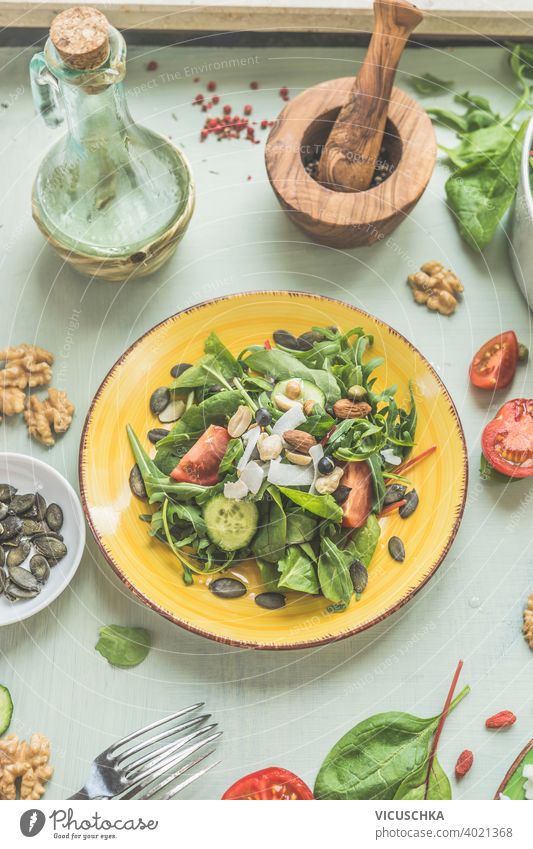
<point>286,453</point>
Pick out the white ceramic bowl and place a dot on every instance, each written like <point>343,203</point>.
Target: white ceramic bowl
<point>521,244</point>
<point>31,475</point>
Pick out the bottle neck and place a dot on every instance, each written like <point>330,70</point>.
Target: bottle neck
<point>95,119</point>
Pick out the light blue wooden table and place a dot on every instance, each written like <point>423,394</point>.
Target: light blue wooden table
<point>275,708</point>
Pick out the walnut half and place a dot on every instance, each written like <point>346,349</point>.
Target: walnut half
<point>24,767</point>
<point>25,365</point>
<point>436,287</point>
<point>528,622</point>
<point>44,417</point>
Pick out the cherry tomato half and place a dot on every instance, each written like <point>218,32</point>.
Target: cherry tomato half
<point>507,440</point>
<point>494,365</point>
<point>201,462</point>
<point>272,784</point>
<point>358,505</point>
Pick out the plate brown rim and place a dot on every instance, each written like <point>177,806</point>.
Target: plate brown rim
<point>512,769</point>
<point>244,643</point>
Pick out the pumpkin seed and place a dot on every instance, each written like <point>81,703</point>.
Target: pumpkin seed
<point>40,568</point>
<point>2,558</point>
<point>359,576</point>
<point>7,492</point>
<point>227,588</point>
<point>308,339</point>
<point>3,511</point>
<point>13,542</point>
<point>30,527</point>
<point>51,548</point>
<point>156,434</point>
<point>23,578</point>
<point>172,412</point>
<point>412,503</point>
<point>3,581</point>
<point>395,492</point>
<point>18,555</point>
<point>137,484</point>
<point>270,601</point>
<point>40,506</point>
<point>159,399</point>
<point>54,517</point>
<point>14,593</point>
<point>11,526</point>
<point>22,503</point>
<point>397,549</point>
<point>179,368</point>
<point>286,340</point>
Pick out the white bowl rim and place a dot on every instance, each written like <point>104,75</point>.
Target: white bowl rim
<point>77,508</point>
<point>525,167</point>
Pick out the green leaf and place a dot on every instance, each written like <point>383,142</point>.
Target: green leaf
<point>334,572</point>
<point>318,423</point>
<point>489,473</point>
<point>480,193</point>
<point>297,572</point>
<point>269,542</point>
<point>281,365</point>
<point>226,363</point>
<point>234,452</point>
<point>300,526</point>
<point>123,647</point>
<point>218,365</point>
<point>147,467</point>
<point>190,514</point>
<point>324,506</point>
<point>379,756</point>
<point>269,574</point>
<point>488,142</point>
<point>413,787</point>
<point>448,119</point>
<point>428,84</point>
<point>364,541</point>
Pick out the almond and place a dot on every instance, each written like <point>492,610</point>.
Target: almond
<point>299,440</point>
<point>346,409</point>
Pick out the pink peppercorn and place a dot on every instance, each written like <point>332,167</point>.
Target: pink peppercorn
<point>211,86</point>
<point>247,109</point>
<point>215,99</point>
<point>254,85</point>
<point>152,66</point>
<point>226,109</point>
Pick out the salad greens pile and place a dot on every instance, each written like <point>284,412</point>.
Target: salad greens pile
<point>486,162</point>
<point>295,532</point>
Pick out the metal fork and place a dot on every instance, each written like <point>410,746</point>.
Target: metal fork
<point>115,773</point>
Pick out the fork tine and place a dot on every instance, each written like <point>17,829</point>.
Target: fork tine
<point>154,758</point>
<point>173,776</point>
<point>152,725</point>
<point>139,782</point>
<point>189,780</point>
<point>174,729</point>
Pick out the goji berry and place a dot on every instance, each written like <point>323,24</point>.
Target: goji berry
<point>264,124</point>
<point>152,66</point>
<point>211,85</point>
<point>247,109</point>
<point>199,98</point>
<point>284,92</point>
<point>254,85</point>
<point>503,719</point>
<point>464,763</point>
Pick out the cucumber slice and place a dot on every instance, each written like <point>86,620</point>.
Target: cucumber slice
<point>230,524</point>
<point>6,709</point>
<point>308,391</point>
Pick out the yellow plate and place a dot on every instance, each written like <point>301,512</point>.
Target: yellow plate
<point>149,568</point>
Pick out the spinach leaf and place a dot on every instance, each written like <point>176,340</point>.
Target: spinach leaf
<point>364,541</point>
<point>379,488</point>
<point>334,572</point>
<point>448,119</point>
<point>300,526</point>
<point>324,506</point>
<point>170,452</point>
<point>382,756</point>
<point>123,647</point>
<point>429,84</point>
<point>480,193</point>
<point>226,363</point>
<point>297,572</point>
<point>486,142</point>
<point>413,787</point>
<point>281,365</point>
<point>147,467</point>
<point>269,541</point>
<point>269,574</point>
<point>217,366</point>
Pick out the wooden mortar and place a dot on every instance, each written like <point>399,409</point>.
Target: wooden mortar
<point>349,217</point>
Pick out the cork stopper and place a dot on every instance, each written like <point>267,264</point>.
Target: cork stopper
<point>80,36</point>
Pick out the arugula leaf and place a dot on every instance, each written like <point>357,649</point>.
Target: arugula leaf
<point>147,467</point>
<point>281,365</point>
<point>334,572</point>
<point>381,757</point>
<point>429,84</point>
<point>218,365</point>
<point>190,514</point>
<point>481,192</point>
<point>318,423</point>
<point>234,452</point>
<point>123,647</point>
<point>324,506</point>
<point>297,572</point>
<point>269,541</point>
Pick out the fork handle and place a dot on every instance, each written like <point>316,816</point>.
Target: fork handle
<point>81,794</point>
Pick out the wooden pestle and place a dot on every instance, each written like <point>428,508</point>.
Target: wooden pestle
<point>349,157</point>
